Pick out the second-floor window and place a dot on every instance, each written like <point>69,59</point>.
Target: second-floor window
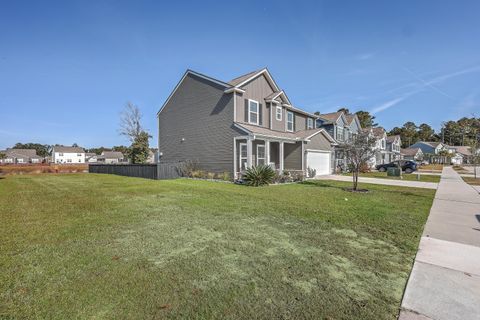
<point>289,121</point>
<point>278,113</point>
<point>252,111</point>
<point>309,123</point>
<point>383,144</point>
<point>339,133</point>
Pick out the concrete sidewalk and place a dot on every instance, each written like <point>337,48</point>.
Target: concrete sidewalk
<point>388,182</point>
<point>445,279</point>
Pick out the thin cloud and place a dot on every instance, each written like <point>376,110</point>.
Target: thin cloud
<point>427,84</point>
<point>365,56</point>
<point>390,103</point>
<point>430,83</point>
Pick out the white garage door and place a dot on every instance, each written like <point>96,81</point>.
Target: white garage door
<point>320,161</point>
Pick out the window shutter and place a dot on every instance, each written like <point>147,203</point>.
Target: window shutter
<point>260,114</point>
<point>246,110</point>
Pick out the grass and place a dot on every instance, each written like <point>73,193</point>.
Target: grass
<point>407,177</point>
<point>472,181</point>
<point>78,246</point>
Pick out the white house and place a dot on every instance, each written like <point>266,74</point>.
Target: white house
<point>61,154</point>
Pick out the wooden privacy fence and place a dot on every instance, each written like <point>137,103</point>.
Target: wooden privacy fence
<point>148,171</point>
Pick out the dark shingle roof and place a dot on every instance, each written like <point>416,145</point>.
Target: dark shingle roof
<point>391,139</point>
<point>378,132</point>
<point>68,149</point>
<point>22,152</point>
<point>410,151</point>
<point>112,155</point>
<point>242,78</point>
<point>333,116</point>
<point>299,135</point>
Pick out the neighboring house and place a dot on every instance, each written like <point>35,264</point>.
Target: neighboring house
<point>91,157</point>
<point>393,148</point>
<point>429,147</point>
<point>230,126</point>
<point>415,154</point>
<point>152,156</point>
<point>342,127</point>
<point>110,157</point>
<point>463,154</point>
<point>382,155</point>
<point>20,156</point>
<point>69,155</point>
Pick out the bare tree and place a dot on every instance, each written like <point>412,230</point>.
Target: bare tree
<point>359,150</point>
<point>130,122</point>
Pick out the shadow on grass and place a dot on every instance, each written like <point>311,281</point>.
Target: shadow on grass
<point>322,184</point>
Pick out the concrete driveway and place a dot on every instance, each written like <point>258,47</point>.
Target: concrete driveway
<point>389,182</point>
<point>445,280</point>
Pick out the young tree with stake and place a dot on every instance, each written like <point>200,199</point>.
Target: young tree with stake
<point>359,150</point>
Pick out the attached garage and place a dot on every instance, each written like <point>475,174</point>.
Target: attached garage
<point>320,160</point>
<point>319,152</point>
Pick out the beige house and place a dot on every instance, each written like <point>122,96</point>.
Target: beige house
<point>247,121</point>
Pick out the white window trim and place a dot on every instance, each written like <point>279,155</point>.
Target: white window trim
<point>264,154</point>
<point>287,122</point>
<point>240,158</point>
<point>309,120</point>
<point>277,113</point>
<point>258,112</point>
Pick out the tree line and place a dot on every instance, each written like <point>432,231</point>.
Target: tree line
<point>462,132</point>
<point>130,127</point>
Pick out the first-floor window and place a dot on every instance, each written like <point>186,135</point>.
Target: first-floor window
<point>289,121</point>
<point>261,154</point>
<point>69,160</point>
<point>243,156</point>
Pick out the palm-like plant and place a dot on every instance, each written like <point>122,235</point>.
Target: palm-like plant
<point>259,176</point>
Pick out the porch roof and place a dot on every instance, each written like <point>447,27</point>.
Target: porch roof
<point>297,136</point>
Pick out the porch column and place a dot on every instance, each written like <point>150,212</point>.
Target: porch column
<point>281,156</point>
<point>267,151</point>
<point>249,152</point>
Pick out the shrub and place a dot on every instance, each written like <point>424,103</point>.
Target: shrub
<point>201,174</point>
<point>225,176</point>
<point>259,175</point>
<point>311,172</point>
<point>364,167</point>
<point>210,175</point>
<point>187,168</point>
<point>297,176</point>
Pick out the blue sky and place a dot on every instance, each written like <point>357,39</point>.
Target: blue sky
<point>67,68</point>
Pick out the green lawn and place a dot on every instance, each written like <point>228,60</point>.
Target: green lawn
<point>405,176</point>
<point>80,246</point>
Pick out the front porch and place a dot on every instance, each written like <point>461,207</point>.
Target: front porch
<point>281,154</point>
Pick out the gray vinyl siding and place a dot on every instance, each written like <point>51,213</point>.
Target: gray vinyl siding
<point>293,156</point>
<point>275,153</point>
<point>319,142</point>
<point>278,125</point>
<point>300,122</point>
<point>329,128</point>
<point>202,114</point>
<point>256,90</point>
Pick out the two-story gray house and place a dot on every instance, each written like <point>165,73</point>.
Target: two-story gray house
<point>230,126</point>
<point>341,127</point>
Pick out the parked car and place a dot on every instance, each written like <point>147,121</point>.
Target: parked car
<point>407,165</point>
